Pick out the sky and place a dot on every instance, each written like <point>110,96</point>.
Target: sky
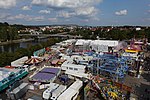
<point>80,12</point>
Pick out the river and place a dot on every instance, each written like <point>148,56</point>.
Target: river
<point>14,46</point>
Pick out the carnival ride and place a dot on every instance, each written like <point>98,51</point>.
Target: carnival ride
<point>9,76</point>
<point>113,65</point>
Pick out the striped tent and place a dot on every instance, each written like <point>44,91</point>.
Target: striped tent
<point>33,61</point>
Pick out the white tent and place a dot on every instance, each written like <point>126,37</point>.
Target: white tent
<point>110,43</point>
<point>81,42</point>
<point>102,45</point>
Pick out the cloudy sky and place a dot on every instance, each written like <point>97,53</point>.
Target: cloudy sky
<point>81,12</point>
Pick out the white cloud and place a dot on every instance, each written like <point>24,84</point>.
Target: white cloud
<point>71,8</point>
<point>83,13</point>
<point>26,8</point>
<point>86,11</point>
<point>6,4</point>
<point>26,17</point>
<point>66,14</point>
<point>65,3</point>
<point>53,19</point>
<point>3,16</point>
<point>44,11</point>
<point>38,18</point>
<point>39,2</point>
<point>20,16</point>
<point>121,12</point>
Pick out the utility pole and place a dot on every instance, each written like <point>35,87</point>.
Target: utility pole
<point>117,75</point>
<point>138,66</point>
<point>97,66</point>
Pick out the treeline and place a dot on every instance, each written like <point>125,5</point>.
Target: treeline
<point>85,33</point>
<point>114,34</point>
<point>8,32</point>
<point>117,34</point>
<point>7,57</point>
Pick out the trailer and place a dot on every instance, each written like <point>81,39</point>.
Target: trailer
<point>35,97</point>
<point>19,62</point>
<point>18,92</point>
<point>68,66</point>
<point>47,92</point>
<point>69,94</point>
<point>58,91</point>
<point>72,92</point>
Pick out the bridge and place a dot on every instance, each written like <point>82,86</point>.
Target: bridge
<point>59,35</point>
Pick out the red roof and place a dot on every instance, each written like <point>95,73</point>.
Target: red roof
<point>11,67</point>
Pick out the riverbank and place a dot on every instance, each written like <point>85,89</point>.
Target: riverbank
<point>16,41</point>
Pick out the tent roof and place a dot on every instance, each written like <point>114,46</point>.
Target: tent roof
<point>33,60</point>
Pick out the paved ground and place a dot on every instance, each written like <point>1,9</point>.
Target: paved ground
<point>143,91</point>
<point>140,86</point>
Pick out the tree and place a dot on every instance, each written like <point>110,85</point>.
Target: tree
<point>6,58</point>
<point>8,32</point>
<point>21,52</point>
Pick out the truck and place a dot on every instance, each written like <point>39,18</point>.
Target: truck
<point>58,91</point>
<point>47,93</point>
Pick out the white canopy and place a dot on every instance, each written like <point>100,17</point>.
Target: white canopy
<point>110,43</point>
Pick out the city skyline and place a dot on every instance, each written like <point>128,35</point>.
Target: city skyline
<point>80,12</point>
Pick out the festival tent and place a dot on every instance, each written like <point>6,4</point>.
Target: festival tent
<point>57,61</point>
<point>109,43</point>
<point>80,42</point>
<point>61,61</point>
<point>33,61</point>
<point>54,62</point>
